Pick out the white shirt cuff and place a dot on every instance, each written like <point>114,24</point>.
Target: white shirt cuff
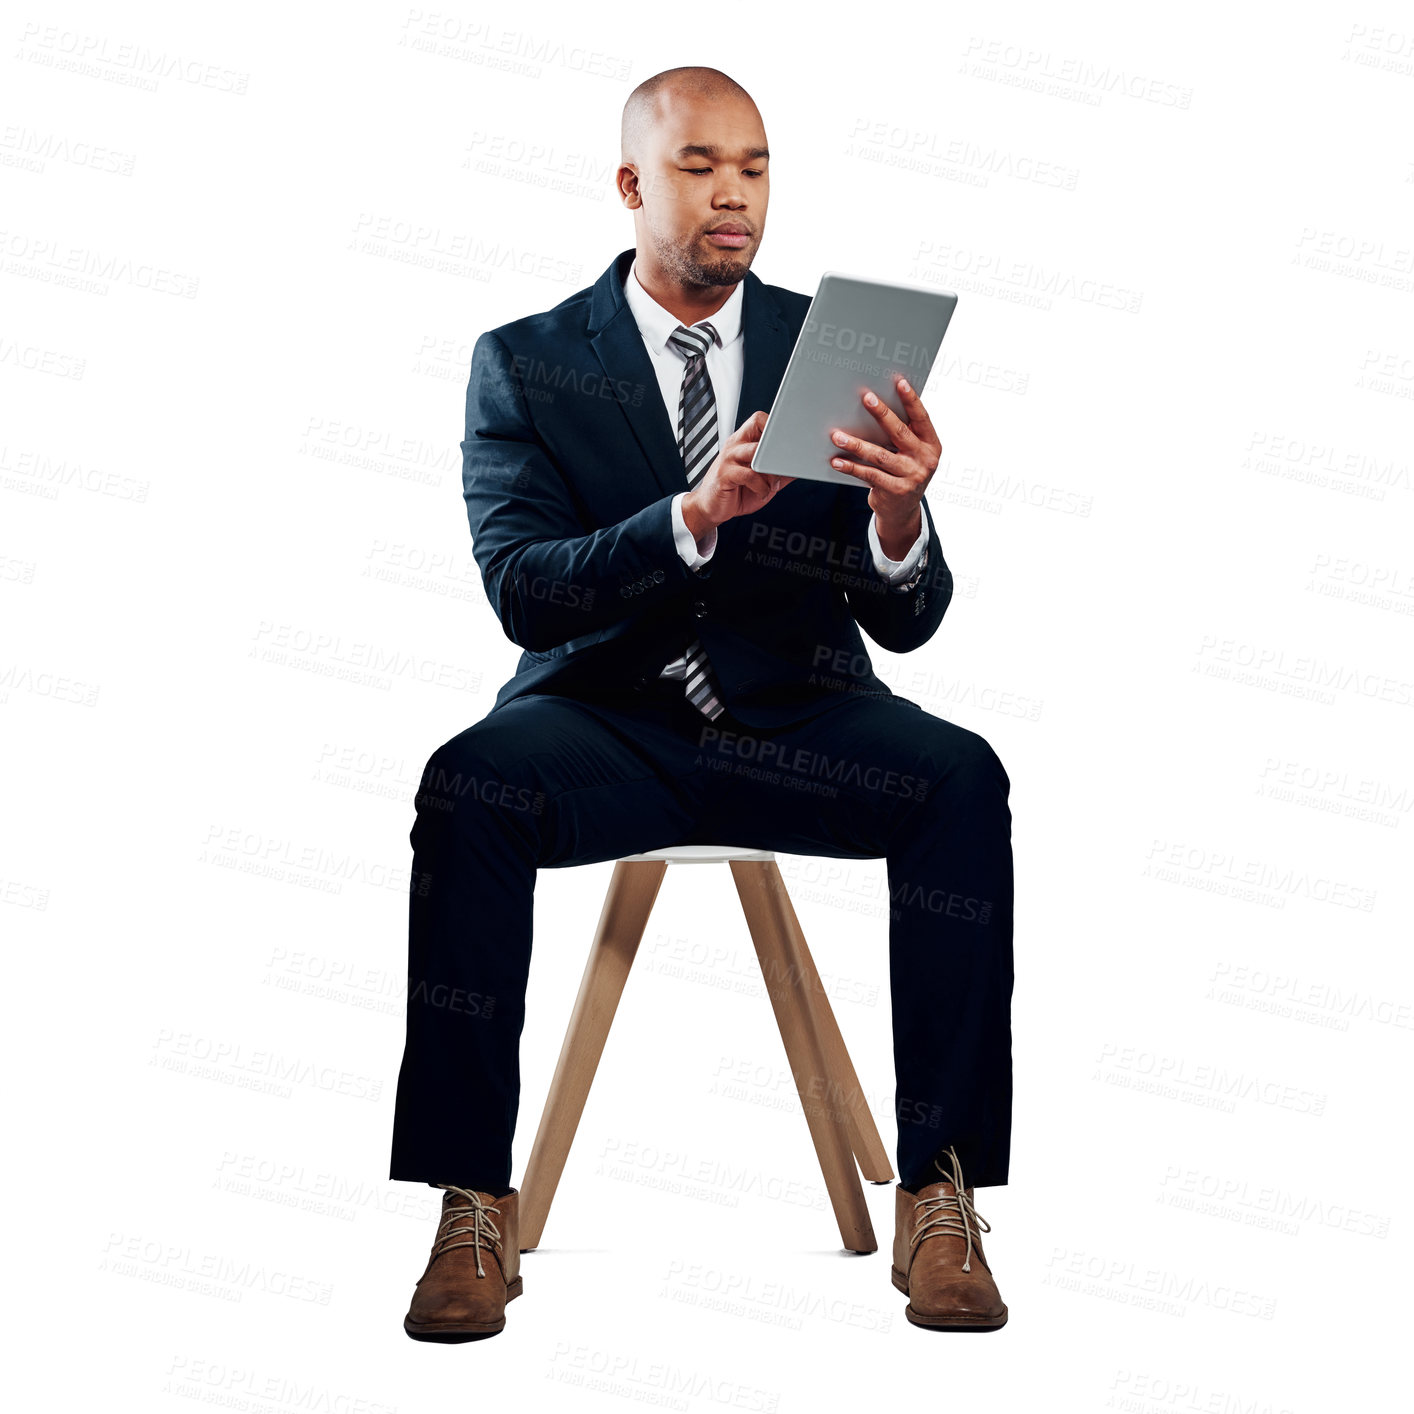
<point>896,571</point>
<point>682,538</point>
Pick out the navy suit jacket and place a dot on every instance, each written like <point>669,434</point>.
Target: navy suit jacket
<point>569,467</point>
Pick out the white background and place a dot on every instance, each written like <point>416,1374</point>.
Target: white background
<point>245,257</point>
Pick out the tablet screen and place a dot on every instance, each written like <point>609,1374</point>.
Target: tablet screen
<point>858,333</point>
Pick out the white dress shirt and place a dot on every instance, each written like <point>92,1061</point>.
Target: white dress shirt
<point>725,365</point>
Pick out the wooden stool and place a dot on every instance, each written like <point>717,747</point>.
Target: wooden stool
<point>814,1047</point>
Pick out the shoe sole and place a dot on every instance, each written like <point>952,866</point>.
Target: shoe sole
<point>454,1332</point>
<point>945,1323</point>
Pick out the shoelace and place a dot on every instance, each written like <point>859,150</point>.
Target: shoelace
<point>480,1224</point>
<point>950,1212</point>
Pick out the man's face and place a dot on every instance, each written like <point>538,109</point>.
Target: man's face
<point>704,170</point>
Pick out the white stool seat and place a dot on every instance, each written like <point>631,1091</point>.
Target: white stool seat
<point>701,854</point>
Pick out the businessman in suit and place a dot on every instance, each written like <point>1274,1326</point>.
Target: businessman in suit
<point>693,671</point>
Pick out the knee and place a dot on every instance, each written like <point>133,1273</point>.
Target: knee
<point>466,768</point>
<point>451,761</point>
<point>440,785</point>
<point>986,759</point>
<point>967,759</point>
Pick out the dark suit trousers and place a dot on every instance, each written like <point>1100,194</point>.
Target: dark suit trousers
<point>548,781</point>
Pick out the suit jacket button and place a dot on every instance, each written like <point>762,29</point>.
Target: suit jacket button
<point>699,608</point>
<point>658,576</point>
<point>641,682</point>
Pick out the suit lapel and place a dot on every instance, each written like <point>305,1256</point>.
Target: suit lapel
<point>768,345</point>
<point>617,344</point>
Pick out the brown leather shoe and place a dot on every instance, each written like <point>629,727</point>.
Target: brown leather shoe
<point>473,1271</point>
<point>938,1259</point>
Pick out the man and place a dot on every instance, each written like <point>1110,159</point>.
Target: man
<point>680,614</point>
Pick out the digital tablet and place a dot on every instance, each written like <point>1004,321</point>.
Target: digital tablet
<point>858,333</point>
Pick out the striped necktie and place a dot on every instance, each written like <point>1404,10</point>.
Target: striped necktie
<point>697,441</point>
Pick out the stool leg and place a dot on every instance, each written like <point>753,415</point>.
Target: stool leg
<point>863,1132</point>
<point>761,902</point>
<point>632,890</point>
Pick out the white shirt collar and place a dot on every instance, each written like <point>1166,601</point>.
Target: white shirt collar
<point>656,324</point>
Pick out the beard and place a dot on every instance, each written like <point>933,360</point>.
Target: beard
<point>683,260</point>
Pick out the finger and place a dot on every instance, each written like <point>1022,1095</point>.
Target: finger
<point>897,431</point>
<point>736,463</point>
<point>752,428</point>
<point>767,483</point>
<point>765,488</point>
<point>918,418</point>
<point>736,469</point>
<point>870,474</point>
<point>862,451</point>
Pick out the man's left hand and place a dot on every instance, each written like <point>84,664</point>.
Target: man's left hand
<point>899,475</point>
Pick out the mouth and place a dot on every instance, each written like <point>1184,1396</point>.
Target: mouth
<point>729,237</point>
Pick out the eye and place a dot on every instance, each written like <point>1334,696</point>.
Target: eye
<point>695,170</point>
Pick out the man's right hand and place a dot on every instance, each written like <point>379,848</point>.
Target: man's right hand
<point>730,487</point>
